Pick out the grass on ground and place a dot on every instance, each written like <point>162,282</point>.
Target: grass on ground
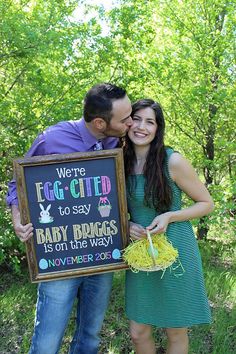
<point>18,297</point>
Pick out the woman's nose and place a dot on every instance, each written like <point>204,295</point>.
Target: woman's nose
<point>141,124</point>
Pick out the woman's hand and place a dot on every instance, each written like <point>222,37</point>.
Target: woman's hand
<point>137,231</point>
<point>159,223</point>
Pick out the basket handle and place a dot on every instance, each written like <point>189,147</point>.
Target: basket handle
<point>104,200</point>
<point>151,247</point>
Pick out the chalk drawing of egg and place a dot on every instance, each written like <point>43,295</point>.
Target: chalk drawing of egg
<point>116,254</point>
<point>43,264</point>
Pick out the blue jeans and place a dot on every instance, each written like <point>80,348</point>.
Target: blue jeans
<point>54,306</point>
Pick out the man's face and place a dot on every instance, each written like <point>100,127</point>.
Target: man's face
<point>121,120</point>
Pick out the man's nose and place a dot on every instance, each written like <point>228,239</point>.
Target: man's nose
<point>130,121</point>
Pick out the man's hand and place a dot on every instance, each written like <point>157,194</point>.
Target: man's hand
<point>24,232</point>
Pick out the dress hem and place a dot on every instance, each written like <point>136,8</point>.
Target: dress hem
<point>162,325</point>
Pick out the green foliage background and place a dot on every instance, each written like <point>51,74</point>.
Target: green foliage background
<point>181,53</point>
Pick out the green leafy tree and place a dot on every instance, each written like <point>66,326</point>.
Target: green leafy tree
<point>48,60</point>
<point>182,53</point>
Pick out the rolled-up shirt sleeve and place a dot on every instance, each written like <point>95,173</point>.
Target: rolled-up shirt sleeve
<point>37,148</point>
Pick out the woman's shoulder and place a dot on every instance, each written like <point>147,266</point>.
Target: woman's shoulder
<point>175,158</point>
<point>172,161</point>
<point>176,163</point>
<point>171,153</point>
<point>179,166</point>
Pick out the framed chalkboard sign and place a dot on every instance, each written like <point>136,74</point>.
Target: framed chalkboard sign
<point>77,205</point>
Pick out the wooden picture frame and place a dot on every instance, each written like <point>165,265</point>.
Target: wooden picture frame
<point>77,205</point>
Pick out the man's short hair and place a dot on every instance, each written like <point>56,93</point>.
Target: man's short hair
<point>98,101</point>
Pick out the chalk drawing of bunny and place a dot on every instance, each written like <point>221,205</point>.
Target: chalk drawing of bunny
<point>45,216</point>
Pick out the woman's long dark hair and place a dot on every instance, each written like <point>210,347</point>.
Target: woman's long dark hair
<point>157,190</point>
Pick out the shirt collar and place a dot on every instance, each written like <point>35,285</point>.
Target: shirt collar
<point>89,140</point>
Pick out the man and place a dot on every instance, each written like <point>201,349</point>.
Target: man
<point>107,112</point>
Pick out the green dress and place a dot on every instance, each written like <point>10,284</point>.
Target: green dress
<point>178,299</point>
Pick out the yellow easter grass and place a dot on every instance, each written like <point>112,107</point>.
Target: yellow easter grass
<point>136,255</point>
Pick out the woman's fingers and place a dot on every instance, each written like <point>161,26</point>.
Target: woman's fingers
<point>137,231</point>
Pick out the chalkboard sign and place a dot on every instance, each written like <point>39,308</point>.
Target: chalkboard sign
<point>76,203</point>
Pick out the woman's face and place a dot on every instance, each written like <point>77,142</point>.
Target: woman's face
<point>144,127</point>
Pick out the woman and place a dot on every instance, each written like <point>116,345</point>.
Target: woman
<point>156,176</point>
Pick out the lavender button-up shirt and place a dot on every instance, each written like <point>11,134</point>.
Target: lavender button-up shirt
<point>62,138</point>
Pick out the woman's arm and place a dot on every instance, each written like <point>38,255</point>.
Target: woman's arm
<point>184,175</point>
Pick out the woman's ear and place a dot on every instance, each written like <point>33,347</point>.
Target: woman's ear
<point>99,124</point>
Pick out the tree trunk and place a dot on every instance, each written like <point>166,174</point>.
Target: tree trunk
<point>209,148</point>
<point>209,152</point>
<point>202,229</point>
